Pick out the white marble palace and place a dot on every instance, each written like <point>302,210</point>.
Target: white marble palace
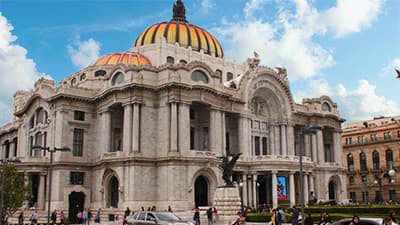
<point>146,127</point>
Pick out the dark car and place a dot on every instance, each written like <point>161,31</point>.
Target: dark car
<point>363,221</point>
<point>159,218</point>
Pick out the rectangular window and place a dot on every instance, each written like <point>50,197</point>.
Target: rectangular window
<point>76,178</point>
<point>365,196</point>
<point>257,145</point>
<point>387,135</point>
<point>351,180</point>
<point>192,138</point>
<point>264,146</point>
<point>392,195</point>
<point>79,115</point>
<point>227,144</point>
<point>77,142</point>
<point>353,196</point>
<point>364,179</point>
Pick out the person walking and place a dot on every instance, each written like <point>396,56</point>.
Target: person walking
<point>98,214</point>
<point>54,217</point>
<point>210,216</point>
<point>89,216</point>
<point>62,217</point>
<point>273,215</point>
<point>170,209</point>
<point>21,218</point>
<point>196,216</point>
<point>392,215</point>
<point>34,217</point>
<point>126,214</point>
<point>84,216</point>
<point>215,214</point>
<point>295,215</point>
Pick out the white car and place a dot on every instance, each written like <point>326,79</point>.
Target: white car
<point>155,218</point>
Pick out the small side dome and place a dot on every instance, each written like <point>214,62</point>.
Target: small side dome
<point>130,58</point>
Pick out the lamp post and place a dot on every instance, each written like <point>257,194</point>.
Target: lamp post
<point>51,151</point>
<point>4,161</point>
<point>389,174</point>
<point>310,130</point>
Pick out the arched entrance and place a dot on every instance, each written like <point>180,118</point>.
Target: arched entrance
<point>113,193</point>
<point>76,204</point>
<point>332,190</point>
<point>201,191</point>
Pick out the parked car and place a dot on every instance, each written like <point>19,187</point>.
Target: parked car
<point>155,218</point>
<point>363,221</point>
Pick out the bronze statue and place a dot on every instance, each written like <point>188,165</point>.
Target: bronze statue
<point>227,167</point>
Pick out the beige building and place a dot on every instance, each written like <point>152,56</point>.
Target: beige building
<point>370,151</point>
<point>146,127</point>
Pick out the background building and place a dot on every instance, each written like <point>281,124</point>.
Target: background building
<point>146,127</point>
<point>371,149</point>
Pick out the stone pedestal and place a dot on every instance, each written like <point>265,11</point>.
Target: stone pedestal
<point>227,202</point>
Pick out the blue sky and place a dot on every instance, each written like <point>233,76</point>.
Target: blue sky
<point>346,49</point>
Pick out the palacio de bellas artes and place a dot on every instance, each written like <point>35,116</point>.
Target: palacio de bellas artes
<point>147,126</point>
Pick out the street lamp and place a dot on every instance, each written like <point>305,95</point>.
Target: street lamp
<point>3,180</point>
<point>389,174</point>
<point>310,130</point>
<point>51,151</point>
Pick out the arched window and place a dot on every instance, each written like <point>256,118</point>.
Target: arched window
<point>199,75</point>
<point>375,160</point>
<point>73,81</point>
<point>389,159</point>
<point>41,116</point>
<point>229,76</point>
<point>350,162</point>
<point>183,61</point>
<point>117,79</point>
<point>83,76</point>
<point>218,73</point>
<point>326,107</point>
<point>363,162</point>
<point>170,59</point>
<point>100,73</point>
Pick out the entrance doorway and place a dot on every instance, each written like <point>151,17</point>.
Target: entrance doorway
<point>332,187</point>
<point>201,191</point>
<point>76,204</point>
<point>113,193</point>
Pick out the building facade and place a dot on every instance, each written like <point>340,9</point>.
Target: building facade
<point>371,149</point>
<point>146,127</point>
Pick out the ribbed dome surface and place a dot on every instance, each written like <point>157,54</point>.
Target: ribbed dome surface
<point>130,58</point>
<point>185,34</point>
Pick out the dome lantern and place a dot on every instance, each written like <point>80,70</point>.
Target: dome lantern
<point>179,12</point>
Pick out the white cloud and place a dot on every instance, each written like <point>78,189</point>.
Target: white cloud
<point>17,72</point>
<point>84,53</point>
<point>290,39</point>
<point>389,69</point>
<point>207,4</point>
<point>362,103</point>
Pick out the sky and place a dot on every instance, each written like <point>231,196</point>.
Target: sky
<point>346,49</point>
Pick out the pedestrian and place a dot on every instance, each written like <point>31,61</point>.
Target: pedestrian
<point>215,214</point>
<point>89,216</point>
<point>355,220</point>
<point>54,217</point>
<point>295,215</point>
<point>34,217</point>
<point>84,216</point>
<point>280,216</point>
<point>142,208</point>
<point>21,218</point>
<point>308,220</point>
<point>98,214</point>
<point>325,219</point>
<point>196,216</point>
<point>210,216</point>
<point>273,215</point>
<point>170,209</point>
<point>62,217</point>
<point>126,214</point>
<point>388,221</point>
<point>153,208</point>
<point>392,215</point>
<point>5,219</point>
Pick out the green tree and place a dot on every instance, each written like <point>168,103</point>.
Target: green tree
<point>15,188</point>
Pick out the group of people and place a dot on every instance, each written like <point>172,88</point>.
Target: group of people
<point>211,213</point>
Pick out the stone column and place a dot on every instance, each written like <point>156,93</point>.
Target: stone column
<point>290,140</point>
<point>278,147</point>
<point>254,191</point>
<point>274,189</point>
<point>244,141</point>
<point>307,145</point>
<point>136,128</point>
<point>306,189</point>
<point>337,147</point>
<point>212,130</point>
<point>127,128</point>
<point>173,141</point>
<point>184,127</point>
<point>223,134</point>
<point>106,131</point>
<point>41,192</point>
<point>244,190</point>
<point>311,179</point>
<point>283,139</point>
<point>292,194</point>
<point>314,148</point>
<point>320,147</point>
<point>272,140</point>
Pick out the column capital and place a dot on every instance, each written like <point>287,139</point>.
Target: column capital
<point>274,172</point>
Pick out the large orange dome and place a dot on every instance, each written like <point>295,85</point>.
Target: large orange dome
<point>130,58</point>
<point>178,30</point>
